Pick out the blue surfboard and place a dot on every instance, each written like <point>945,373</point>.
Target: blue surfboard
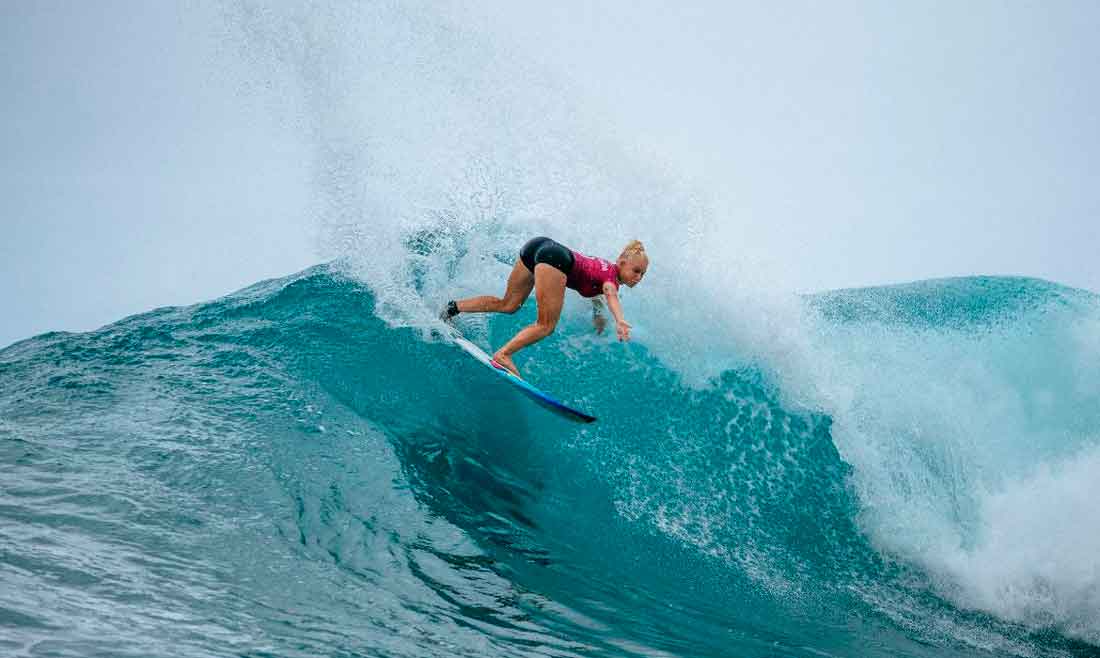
<point>539,396</point>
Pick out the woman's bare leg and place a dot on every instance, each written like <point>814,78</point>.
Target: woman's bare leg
<point>549,295</point>
<point>520,283</point>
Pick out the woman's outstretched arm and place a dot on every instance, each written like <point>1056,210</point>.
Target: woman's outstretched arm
<point>622,327</point>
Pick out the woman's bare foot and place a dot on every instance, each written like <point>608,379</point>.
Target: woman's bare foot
<point>506,362</point>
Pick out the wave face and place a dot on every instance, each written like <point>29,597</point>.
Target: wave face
<point>281,472</point>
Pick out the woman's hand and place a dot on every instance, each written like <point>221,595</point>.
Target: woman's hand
<point>600,323</point>
<point>622,327</point>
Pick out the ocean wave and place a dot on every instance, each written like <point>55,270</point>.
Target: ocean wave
<point>286,471</point>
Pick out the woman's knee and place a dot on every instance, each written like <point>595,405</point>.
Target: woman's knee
<point>545,328</point>
<point>510,305</point>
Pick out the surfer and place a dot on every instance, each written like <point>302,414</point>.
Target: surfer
<point>549,268</point>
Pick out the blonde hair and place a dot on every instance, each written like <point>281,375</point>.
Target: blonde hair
<point>633,248</point>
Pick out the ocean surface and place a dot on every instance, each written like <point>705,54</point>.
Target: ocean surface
<point>288,471</point>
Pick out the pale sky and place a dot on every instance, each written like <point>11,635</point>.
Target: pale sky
<point>133,175</point>
<point>862,142</point>
<point>852,143</point>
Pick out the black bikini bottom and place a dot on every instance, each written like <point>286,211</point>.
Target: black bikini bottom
<point>545,250</point>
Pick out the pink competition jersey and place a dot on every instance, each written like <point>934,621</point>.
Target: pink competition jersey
<point>589,274</point>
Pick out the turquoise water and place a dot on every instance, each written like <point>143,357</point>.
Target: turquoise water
<point>281,472</point>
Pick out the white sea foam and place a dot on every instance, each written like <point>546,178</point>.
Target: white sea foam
<point>975,452</point>
<point>1036,557</point>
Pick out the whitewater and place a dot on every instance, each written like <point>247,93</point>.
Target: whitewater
<point>304,467</point>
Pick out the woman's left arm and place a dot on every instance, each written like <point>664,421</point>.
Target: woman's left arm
<point>622,327</point>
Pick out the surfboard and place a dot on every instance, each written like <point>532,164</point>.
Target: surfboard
<point>539,396</point>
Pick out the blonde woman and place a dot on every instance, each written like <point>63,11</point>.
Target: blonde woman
<point>548,268</point>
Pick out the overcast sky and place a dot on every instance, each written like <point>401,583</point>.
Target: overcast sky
<point>863,142</point>
<point>852,143</point>
<point>134,175</point>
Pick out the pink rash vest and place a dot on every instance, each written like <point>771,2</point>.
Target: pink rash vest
<point>589,274</point>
